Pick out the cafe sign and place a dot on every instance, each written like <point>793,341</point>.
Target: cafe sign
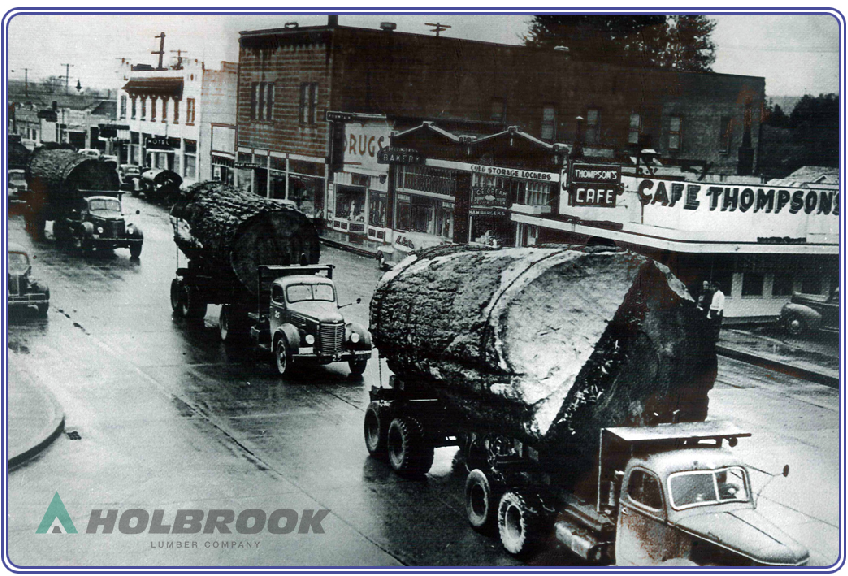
<point>594,184</point>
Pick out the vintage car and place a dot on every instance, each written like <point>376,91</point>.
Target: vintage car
<point>406,243</point>
<point>130,175</point>
<point>97,222</point>
<point>90,152</point>
<point>25,291</point>
<point>810,312</point>
<point>17,187</point>
<point>160,185</point>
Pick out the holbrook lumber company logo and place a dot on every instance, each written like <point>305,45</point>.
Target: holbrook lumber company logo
<point>56,520</point>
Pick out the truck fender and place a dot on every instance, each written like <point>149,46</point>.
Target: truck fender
<point>811,317</point>
<point>134,231</point>
<point>291,335</point>
<point>88,228</point>
<point>364,335</point>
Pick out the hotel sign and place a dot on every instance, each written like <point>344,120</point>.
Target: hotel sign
<point>158,143</point>
<point>594,184</point>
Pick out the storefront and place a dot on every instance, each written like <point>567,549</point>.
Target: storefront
<point>223,168</point>
<point>426,199</point>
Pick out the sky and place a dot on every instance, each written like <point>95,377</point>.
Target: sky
<point>797,54</point>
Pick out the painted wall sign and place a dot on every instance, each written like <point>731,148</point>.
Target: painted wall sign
<point>488,196</point>
<point>395,155</point>
<point>363,143</point>
<point>514,173</point>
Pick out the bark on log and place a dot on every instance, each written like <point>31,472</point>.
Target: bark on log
<point>229,233</point>
<point>56,175</point>
<point>547,344</point>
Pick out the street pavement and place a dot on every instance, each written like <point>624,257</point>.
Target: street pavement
<point>168,417</point>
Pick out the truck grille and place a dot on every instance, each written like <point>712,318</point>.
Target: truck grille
<point>332,336</point>
<point>116,229</point>
<point>14,285</point>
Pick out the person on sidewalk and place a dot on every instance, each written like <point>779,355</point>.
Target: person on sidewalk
<point>716,311</point>
<point>705,298</point>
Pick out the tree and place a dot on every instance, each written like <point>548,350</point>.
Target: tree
<point>679,42</point>
<point>815,126</point>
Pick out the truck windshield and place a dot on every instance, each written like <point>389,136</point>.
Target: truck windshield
<point>301,292</point>
<point>704,487</point>
<point>101,205</point>
<point>18,262</point>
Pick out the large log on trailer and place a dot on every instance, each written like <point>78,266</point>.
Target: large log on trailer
<point>547,344</point>
<point>229,233</point>
<point>57,175</point>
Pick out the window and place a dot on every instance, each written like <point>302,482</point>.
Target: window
<point>277,294</point>
<point>724,279</point>
<point>725,134</point>
<point>548,123</point>
<point>752,284</point>
<point>308,103</point>
<point>190,111</point>
<point>811,284</point>
<point>153,109</point>
<point>634,129</point>
<point>319,292</point>
<point>498,110</point>
<point>703,487</point>
<point>176,111</point>
<point>644,489</point>
<point>675,131</point>
<point>782,284</point>
<point>593,125</point>
<point>123,106</point>
<point>165,110</point>
<point>190,158</point>
<point>262,101</point>
<point>143,108</point>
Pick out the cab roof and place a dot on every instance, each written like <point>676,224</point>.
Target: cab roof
<point>689,459</point>
<point>12,247</point>
<point>302,279</point>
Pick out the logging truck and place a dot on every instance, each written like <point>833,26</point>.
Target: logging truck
<point>669,494</point>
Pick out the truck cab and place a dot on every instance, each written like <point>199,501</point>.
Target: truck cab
<point>302,323</point>
<point>96,221</point>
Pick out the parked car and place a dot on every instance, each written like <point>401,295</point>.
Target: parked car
<point>90,152</point>
<point>17,187</point>
<point>811,312</point>
<point>406,243</point>
<point>25,291</point>
<point>130,175</point>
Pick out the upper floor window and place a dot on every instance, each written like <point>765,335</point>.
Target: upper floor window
<point>548,123</point>
<point>634,129</point>
<point>176,111</point>
<point>675,133</point>
<point>725,134</point>
<point>164,109</point>
<point>593,125</point>
<point>144,108</point>
<point>153,109</point>
<point>308,103</point>
<point>262,101</point>
<point>133,106</point>
<point>123,105</point>
<point>498,110</point>
<point>189,111</point>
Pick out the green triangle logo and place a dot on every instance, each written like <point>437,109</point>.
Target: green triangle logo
<point>56,520</point>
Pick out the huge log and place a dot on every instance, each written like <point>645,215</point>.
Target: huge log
<point>58,175</point>
<point>548,344</point>
<point>229,233</point>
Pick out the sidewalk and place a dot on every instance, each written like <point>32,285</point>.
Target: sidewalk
<point>35,418</point>
<point>815,357</point>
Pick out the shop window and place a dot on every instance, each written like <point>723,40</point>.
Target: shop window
<point>123,106</point>
<point>165,110</point>
<point>593,125</point>
<point>782,285</point>
<point>634,129</point>
<point>153,109</point>
<point>177,163</point>
<point>725,134</point>
<point>752,284</point>
<point>724,281</point>
<point>538,193</point>
<point>308,103</point>
<point>190,161</point>
<point>190,111</point>
<point>350,203</point>
<point>377,205</point>
<point>675,133</point>
<point>176,111</point>
<point>548,123</point>
<point>426,179</point>
<point>811,284</point>
<point>497,111</point>
<point>144,108</point>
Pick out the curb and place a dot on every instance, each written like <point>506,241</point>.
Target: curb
<point>788,369</point>
<point>349,248</point>
<point>47,435</point>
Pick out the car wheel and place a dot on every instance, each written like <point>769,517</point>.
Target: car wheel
<point>795,325</point>
<point>357,367</point>
<point>282,356</point>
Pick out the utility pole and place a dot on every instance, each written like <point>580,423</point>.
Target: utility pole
<point>180,53</point>
<point>438,27</point>
<point>161,51</point>
<point>26,82</point>
<point>67,75</point>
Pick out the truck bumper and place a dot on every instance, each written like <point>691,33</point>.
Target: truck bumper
<point>579,540</point>
<point>113,242</point>
<point>307,353</point>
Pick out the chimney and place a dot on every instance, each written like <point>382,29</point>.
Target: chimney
<point>332,20</point>
<point>388,26</point>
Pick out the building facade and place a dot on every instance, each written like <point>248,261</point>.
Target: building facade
<point>180,119</point>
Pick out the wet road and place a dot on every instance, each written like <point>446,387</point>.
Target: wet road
<point>171,418</point>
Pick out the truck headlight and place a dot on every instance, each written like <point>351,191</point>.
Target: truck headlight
<point>100,229</point>
<point>310,339</point>
<point>354,337</point>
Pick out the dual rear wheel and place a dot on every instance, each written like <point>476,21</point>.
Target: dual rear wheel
<point>401,440</point>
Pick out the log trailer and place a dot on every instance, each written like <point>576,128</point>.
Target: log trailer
<point>670,494</point>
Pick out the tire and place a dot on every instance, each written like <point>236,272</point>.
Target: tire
<point>225,324</point>
<point>375,430</point>
<point>409,451</point>
<point>42,309</point>
<point>282,356</point>
<point>357,367</point>
<point>185,302</point>
<point>480,500</point>
<point>795,325</point>
<point>177,304</point>
<point>381,260</point>
<point>135,250</point>
<point>520,522</point>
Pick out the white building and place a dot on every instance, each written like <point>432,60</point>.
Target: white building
<point>180,119</point>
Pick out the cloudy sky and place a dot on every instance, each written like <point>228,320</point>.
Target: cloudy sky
<point>797,54</point>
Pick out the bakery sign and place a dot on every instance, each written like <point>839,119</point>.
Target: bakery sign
<point>594,184</point>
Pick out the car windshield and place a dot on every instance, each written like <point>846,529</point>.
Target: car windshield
<point>301,292</point>
<point>101,205</point>
<point>703,487</point>
<point>18,262</point>
<point>17,179</point>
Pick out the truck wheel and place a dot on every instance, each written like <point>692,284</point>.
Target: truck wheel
<point>409,451</point>
<point>135,250</point>
<point>282,356</point>
<point>520,522</point>
<point>381,261</point>
<point>42,310</point>
<point>357,367</point>
<point>177,303</point>
<point>795,325</point>
<point>480,500</point>
<point>376,435</point>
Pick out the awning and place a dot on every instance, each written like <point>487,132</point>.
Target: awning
<point>155,87</point>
